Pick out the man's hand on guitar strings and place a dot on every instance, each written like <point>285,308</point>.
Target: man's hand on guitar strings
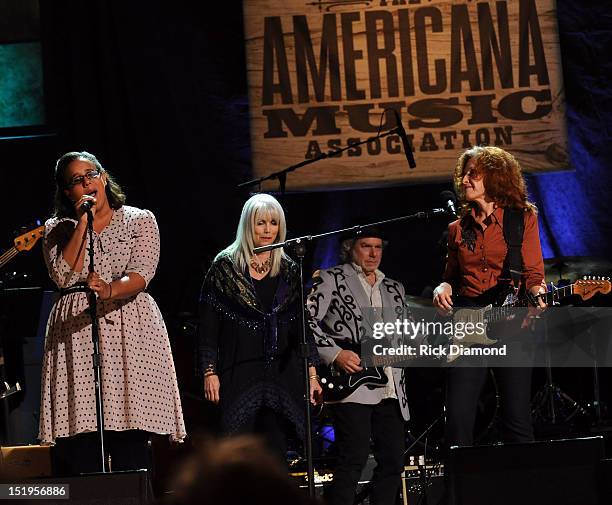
<point>348,361</point>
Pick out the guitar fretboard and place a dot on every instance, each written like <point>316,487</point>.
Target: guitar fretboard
<point>559,293</point>
<point>385,360</point>
<point>502,313</point>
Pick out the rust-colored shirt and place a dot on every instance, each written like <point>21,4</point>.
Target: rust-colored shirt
<point>475,257</point>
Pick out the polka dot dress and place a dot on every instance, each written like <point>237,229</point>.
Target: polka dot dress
<point>139,386</point>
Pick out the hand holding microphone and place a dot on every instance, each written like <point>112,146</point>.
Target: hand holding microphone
<point>84,205</point>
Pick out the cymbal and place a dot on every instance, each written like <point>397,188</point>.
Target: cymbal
<point>575,267</point>
<point>418,301</point>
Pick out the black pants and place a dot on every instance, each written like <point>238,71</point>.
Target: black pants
<point>129,450</point>
<point>354,423</point>
<point>463,388</point>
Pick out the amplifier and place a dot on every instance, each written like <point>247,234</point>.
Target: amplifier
<point>423,484</point>
<point>321,477</point>
<point>25,461</point>
<point>415,478</point>
<point>324,477</point>
<point>429,470</point>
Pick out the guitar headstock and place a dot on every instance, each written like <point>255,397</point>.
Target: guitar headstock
<point>26,241</point>
<point>590,286</point>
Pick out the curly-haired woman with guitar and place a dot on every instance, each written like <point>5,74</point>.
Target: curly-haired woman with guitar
<point>494,245</point>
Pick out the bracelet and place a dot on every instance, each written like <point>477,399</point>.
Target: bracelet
<point>110,287</point>
<point>314,377</point>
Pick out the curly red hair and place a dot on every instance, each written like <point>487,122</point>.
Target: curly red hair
<point>502,177</point>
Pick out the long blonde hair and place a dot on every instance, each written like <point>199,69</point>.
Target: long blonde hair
<point>241,250</point>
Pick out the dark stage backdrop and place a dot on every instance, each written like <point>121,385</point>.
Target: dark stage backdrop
<point>157,90</point>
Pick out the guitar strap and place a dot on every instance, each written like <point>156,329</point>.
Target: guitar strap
<point>514,227</point>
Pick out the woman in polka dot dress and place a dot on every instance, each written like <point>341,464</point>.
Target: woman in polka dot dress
<point>139,387</point>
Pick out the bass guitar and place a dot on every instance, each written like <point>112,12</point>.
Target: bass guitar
<point>23,242</point>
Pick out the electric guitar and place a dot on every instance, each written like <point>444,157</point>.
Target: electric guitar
<point>337,384</point>
<point>23,242</point>
<point>499,304</point>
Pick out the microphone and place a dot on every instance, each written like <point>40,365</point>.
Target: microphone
<point>402,133</point>
<point>449,199</point>
<point>87,205</point>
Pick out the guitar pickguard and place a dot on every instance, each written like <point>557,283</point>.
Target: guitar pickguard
<point>475,317</point>
<point>374,374</point>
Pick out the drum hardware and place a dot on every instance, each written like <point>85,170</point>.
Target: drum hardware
<point>551,400</point>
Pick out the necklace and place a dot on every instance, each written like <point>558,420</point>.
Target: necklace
<point>261,268</point>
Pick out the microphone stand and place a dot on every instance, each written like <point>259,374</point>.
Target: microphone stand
<point>281,175</point>
<point>95,337</point>
<point>299,245</point>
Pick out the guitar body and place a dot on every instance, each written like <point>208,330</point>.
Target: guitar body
<point>473,316</point>
<point>476,310</point>
<point>338,385</point>
<point>481,310</point>
<point>498,296</point>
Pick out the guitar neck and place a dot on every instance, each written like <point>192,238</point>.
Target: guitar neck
<point>385,360</point>
<point>551,297</point>
<point>554,296</point>
<point>8,256</point>
<point>559,294</point>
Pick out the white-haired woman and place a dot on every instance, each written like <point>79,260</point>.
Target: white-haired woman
<point>250,331</point>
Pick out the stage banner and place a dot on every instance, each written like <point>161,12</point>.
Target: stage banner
<point>325,74</point>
